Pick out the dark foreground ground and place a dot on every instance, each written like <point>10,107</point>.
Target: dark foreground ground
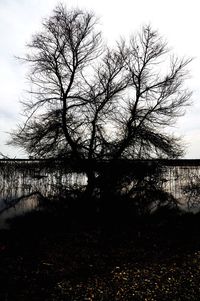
<point>51,258</point>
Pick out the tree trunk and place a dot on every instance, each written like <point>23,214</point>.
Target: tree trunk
<point>91,183</point>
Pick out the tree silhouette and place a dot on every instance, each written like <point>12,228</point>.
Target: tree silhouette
<point>88,101</point>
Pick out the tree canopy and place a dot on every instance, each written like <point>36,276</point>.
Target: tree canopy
<point>90,101</point>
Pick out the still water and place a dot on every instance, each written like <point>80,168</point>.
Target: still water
<point>24,206</point>
<point>17,181</point>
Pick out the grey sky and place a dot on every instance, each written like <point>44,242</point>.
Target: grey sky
<point>177,21</point>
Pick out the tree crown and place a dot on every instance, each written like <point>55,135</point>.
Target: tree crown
<point>93,102</point>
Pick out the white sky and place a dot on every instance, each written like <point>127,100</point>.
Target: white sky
<point>177,21</point>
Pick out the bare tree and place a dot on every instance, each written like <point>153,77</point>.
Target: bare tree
<point>91,102</point>
<point>59,56</point>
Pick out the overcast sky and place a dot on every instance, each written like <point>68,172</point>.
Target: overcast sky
<point>177,21</point>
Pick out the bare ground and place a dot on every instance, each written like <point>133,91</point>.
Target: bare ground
<point>53,259</point>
